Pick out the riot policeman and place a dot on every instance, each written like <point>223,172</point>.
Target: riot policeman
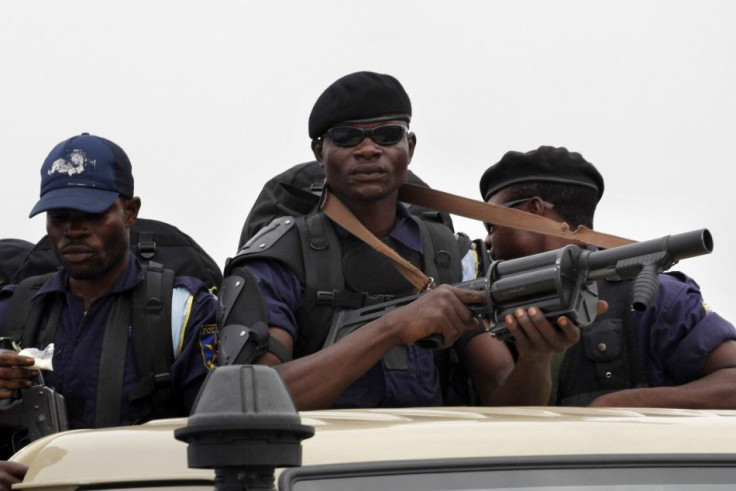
<point>308,268</point>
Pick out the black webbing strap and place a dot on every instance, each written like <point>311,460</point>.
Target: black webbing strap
<point>154,350</point>
<point>443,252</point>
<point>322,256</point>
<point>112,364</point>
<point>279,350</point>
<point>48,334</point>
<point>429,254</point>
<point>350,300</point>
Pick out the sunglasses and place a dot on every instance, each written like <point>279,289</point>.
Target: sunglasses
<point>350,136</point>
<point>510,204</point>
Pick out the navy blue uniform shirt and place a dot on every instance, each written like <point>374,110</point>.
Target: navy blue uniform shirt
<point>678,332</point>
<point>78,342</point>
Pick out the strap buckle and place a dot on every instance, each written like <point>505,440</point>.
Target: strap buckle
<point>431,285</point>
<point>325,297</point>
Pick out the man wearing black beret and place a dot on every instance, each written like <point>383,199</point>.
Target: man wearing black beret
<point>310,268</point>
<point>677,353</point>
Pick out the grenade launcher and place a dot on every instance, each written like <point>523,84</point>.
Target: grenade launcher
<point>561,282</point>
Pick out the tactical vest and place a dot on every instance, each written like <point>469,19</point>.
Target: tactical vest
<point>606,359</point>
<point>147,308</point>
<point>338,273</point>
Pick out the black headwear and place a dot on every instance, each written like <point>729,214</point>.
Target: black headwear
<point>360,96</point>
<point>545,164</point>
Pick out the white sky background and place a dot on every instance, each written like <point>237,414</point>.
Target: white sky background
<point>211,98</point>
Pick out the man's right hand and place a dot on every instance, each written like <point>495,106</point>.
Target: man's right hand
<point>13,375</point>
<point>440,311</point>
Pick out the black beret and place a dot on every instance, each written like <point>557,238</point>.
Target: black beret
<point>545,164</point>
<point>360,96</point>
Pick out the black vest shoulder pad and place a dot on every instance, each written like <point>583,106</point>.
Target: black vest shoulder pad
<point>279,240</point>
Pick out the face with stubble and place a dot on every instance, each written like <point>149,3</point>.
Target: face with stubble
<point>92,245</point>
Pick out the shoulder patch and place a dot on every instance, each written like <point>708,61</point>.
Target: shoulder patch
<point>267,236</point>
<point>208,340</point>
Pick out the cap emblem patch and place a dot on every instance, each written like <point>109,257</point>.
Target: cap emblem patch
<point>74,164</point>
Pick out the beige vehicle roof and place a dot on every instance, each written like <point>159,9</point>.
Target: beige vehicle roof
<point>150,452</point>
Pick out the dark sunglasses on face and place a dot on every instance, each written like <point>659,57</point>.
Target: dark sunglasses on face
<point>350,136</point>
<point>510,204</point>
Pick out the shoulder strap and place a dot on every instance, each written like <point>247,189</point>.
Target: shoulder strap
<point>322,257</point>
<point>341,214</point>
<point>442,252</point>
<point>501,215</point>
<point>112,364</point>
<point>152,343</point>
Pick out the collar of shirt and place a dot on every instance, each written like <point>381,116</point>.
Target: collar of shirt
<point>406,229</point>
<point>131,275</point>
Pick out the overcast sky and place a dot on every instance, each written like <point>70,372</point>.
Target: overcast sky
<point>211,98</point>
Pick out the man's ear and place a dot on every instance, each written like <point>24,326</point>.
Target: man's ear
<point>536,206</point>
<point>132,206</point>
<point>317,150</point>
<point>412,139</point>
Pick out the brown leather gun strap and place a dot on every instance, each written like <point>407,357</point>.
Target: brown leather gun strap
<point>340,214</point>
<point>505,217</point>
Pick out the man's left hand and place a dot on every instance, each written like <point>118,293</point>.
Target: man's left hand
<point>537,337</point>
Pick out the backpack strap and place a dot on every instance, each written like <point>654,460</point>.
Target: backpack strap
<point>152,343</point>
<point>443,252</point>
<point>322,258</point>
<point>112,363</point>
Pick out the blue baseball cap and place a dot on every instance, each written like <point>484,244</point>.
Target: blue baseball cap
<point>85,173</point>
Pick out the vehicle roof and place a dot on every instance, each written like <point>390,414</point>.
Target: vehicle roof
<point>150,452</point>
